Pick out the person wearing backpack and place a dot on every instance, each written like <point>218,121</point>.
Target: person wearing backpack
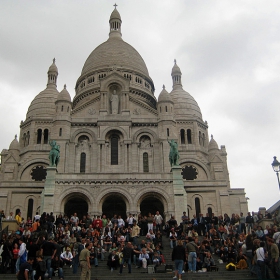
<point>40,268</point>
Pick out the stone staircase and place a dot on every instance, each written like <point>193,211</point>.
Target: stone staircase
<point>102,271</point>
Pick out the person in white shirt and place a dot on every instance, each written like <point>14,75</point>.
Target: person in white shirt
<point>261,256</point>
<point>143,258</point>
<point>158,220</point>
<point>67,257</point>
<point>120,222</point>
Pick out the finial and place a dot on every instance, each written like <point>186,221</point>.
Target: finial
<point>175,61</point>
<point>16,136</point>
<point>163,86</point>
<point>65,86</point>
<point>211,136</point>
<point>115,6</point>
<point>54,60</point>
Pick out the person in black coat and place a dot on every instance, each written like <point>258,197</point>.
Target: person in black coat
<point>179,257</point>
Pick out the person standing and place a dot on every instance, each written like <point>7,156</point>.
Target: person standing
<point>25,269</point>
<point>85,262</point>
<point>274,253</point>
<point>191,249</point>
<point>135,233</point>
<point>127,254</point>
<point>158,220</point>
<point>179,257</point>
<point>242,223</point>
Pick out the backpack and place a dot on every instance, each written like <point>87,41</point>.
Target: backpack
<point>42,266</point>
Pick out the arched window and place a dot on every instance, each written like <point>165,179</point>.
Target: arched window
<point>160,109</point>
<point>30,208</point>
<point>182,134</point>
<point>145,162</point>
<point>39,136</point>
<point>209,210</point>
<point>167,131</point>
<point>62,108</point>
<point>83,163</point>
<point>200,138</point>
<point>27,138</point>
<point>114,150</point>
<point>189,136</point>
<point>24,139</point>
<point>165,108</point>
<point>197,206</point>
<point>46,136</point>
<point>60,132</point>
<point>203,139</point>
<point>68,109</point>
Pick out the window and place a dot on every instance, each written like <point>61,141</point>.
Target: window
<point>189,136</point>
<point>39,136</point>
<point>60,132</point>
<point>209,210</point>
<point>24,139</point>
<point>27,138</point>
<point>182,134</point>
<point>30,208</point>
<point>200,138</point>
<point>83,163</point>
<point>62,108</point>
<point>167,132</point>
<point>46,136</point>
<point>145,162</point>
<point>203,139</point>
<point>165,108</point>
<point>114,149</point>
<point>197,207</point>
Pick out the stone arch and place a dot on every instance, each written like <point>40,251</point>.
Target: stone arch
<point>116,78</point>
<point>70,193</point>
<point>199,163</point>
<point>110,191</point>
<point>30,163</point>
<point>80,131</point>
<point>157,193</point>
<point>116,128</point>
<point>143,131</point>
<point>35,204</point>
<point>192,203</point>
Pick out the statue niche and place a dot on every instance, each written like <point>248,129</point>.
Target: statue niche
<point>114,103</point>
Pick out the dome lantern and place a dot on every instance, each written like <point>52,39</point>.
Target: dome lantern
<point>52,75</point>
<point>176,75</point>
<point>115,24</point>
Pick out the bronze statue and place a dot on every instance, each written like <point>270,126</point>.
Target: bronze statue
<point>54,153</point>
<point>173,154</point>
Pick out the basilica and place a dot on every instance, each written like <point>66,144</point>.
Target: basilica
<point>114,140</point>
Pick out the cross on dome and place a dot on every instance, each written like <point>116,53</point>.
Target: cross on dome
<point>115,6</point>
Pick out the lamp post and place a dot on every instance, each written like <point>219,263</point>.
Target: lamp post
<point>276,167</point>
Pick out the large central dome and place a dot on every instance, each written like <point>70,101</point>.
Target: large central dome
<point>115,52</point>
<point>118,53</point>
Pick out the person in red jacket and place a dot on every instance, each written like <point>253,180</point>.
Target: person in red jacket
<point>97,223</point>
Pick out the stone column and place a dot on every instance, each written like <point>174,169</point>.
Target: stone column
<point>180,195</point>
<point>47,204</point>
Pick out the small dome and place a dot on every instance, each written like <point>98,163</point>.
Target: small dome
<point>164,96</point>
<point>184,104</point>
<point>175,69</point>
<point>14,144</point>
<point>64,95</point>
<point>212,144</point>
<point>115,14</point>
<point>43,105</point>
<point>53,67</point>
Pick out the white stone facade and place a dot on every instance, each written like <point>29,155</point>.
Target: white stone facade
<point>114,151</point>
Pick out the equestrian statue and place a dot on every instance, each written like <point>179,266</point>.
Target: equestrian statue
<point>54,153</point>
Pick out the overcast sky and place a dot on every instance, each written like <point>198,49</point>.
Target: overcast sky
<point>228,52</point>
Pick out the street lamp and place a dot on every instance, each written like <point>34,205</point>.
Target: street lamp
<point>276,167</point>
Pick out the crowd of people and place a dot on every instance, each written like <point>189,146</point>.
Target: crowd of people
<point>44,245</point>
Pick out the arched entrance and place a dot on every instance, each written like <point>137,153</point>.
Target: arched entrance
<point>151,204</point>
<point>114,204</point>
<point>76,205</point>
